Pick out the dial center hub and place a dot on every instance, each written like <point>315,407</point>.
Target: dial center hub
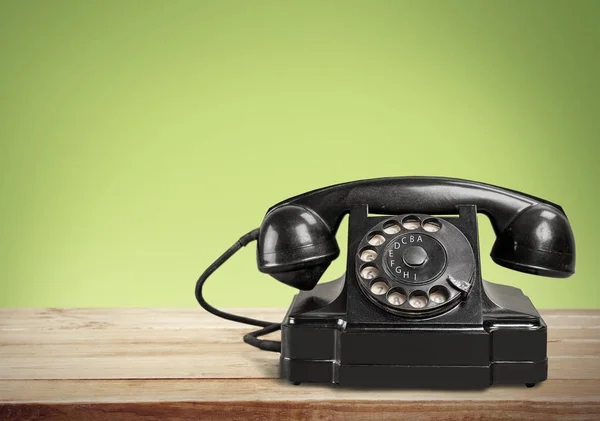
<point>414,258</point>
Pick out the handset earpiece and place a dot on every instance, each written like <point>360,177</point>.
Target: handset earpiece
<point>539,240</point>
<point>295,246</point>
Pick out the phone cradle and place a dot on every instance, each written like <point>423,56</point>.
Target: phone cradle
<point>477,334</point>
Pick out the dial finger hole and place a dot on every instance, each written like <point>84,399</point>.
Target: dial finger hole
<point>376,239</point>
<point>391,227</point>
<point>411,222</point>
<point>369,272</point>
<point>418,299</point>
<point>432,225</point>
<point>438,294</point>
<point>368,255</point>
<point>379,287</point>
<point>396,297</point>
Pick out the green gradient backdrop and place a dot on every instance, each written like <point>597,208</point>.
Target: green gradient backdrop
<point>139,139</point>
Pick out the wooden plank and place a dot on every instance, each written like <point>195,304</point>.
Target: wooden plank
<point>190,343</point>
<point>308,411</point>
<point>105,360</point>
<point>195,318</point>
<point>186,364</point>
<point>270,390</point>
<point>124,318</point>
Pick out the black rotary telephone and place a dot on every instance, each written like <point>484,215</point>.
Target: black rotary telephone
<point>412,309</point>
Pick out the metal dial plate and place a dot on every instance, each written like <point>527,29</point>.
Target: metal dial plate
<point>415,265</point>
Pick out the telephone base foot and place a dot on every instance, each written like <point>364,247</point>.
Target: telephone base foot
<point>419,377</point>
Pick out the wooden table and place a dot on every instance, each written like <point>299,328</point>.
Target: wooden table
<point>157,364</point>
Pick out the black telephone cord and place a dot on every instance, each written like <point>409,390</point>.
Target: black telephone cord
<point>267,327</point>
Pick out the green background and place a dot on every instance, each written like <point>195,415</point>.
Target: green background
<point>139,139</point>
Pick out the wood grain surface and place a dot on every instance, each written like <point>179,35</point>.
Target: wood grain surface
<point>184,364</point>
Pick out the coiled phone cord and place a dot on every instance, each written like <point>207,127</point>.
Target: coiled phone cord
<point>267,327</point>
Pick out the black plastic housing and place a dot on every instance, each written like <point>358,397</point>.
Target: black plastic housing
<point>334,334</point>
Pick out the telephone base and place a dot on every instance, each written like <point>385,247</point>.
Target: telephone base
<point>405,376</point>
<point>322,343</point>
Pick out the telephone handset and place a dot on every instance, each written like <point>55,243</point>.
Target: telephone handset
<point>412,308</point>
